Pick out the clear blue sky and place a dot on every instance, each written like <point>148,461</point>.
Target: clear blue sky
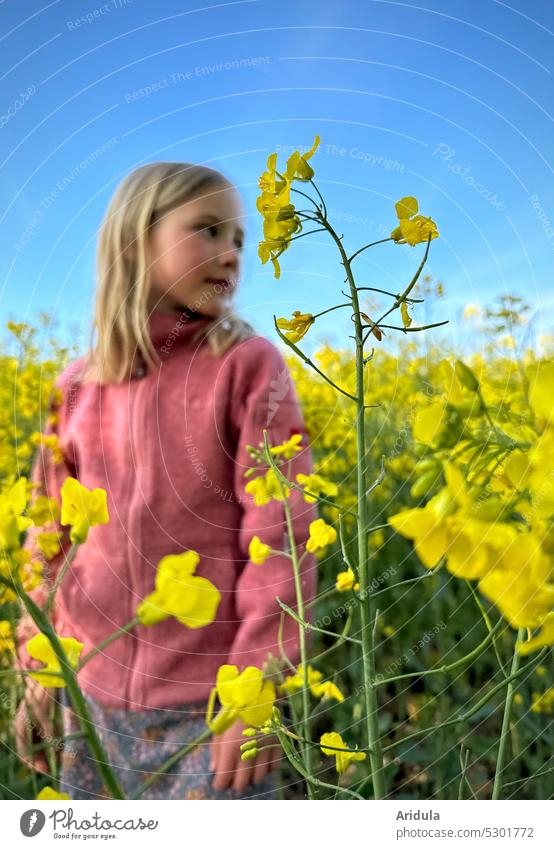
<point>449,102</point>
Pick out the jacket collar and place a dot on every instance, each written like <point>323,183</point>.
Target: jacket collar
<point>169,332</point>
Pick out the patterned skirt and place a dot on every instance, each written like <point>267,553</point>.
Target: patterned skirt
<point>136,744</point>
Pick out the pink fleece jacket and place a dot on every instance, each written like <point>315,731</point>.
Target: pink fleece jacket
<point>169,448</point>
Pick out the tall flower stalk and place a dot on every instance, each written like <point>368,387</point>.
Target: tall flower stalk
<point>281,220</point>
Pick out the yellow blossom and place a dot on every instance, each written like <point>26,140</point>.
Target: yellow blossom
<point>266,488</point>
<point>51,442</point>
<point>320,689</point>
<point>347,581</point>
<point>543,702</point>
<point>342,758</point>
<point>6,637</point>
<point>297,326</point>
<point>48,793</point>
<point>258,551</point>
<point>545,637</point>
<point>82,508</point>
<point>541,381</point>
<point>49,543</point>
<point>245,696</point>
<point>519,583</point>
<point>315,486</point>
<point>13,501</point>
<point>321,534</point>
<point>191,599</point>
<point>44,510</point>
<point>40,648</point>
<point>289,448</point>
<point>297,163</point>
<point>406,318</point>
<point>412,228</point>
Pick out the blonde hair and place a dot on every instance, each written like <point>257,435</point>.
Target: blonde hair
<point>123,279</point>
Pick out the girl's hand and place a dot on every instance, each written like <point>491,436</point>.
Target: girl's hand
<point>29,730</point>
<point>229,770</point>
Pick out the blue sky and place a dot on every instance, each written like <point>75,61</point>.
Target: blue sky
<point>449,102</point>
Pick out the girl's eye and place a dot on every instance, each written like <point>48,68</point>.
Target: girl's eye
<point>213,229</point>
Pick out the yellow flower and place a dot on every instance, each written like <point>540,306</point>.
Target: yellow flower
<point>245,696</point>
<point>82,508</point>
<point>316,485</point>
<point>265,488</point>
<point>6,637</point>
<point>320,689</point>
<point>545,637</point>
<point>342,758</point>
<point>297,326</point>
<point>13,501</point>
<point>321,534</point>
<point>543,702</point>
<point>347,581</point>
<point>258,551</point>
<point>40,648</point>
<point>48,793</point>
<point>519,584</point>
<point>49,543</point>
<point>297,163</point>
<point>406,318</point>
<point>429,422</point>
<point>426,527</point>
<point>327,690</point>
<point>281,221</point>
<point>269,181</point>
<point>412,228</point>
<point>192,600</point>
<point>51,442</point>
<point>449,526</point>
<point>44,510</point>
<point>289,448</point>
<point>541,380</point>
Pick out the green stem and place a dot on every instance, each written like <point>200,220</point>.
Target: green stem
<point>463,717</point>
<point>310,362</point>
<point>472,655</point>
<point>300,604</point>
<point>502,748</point>
<point>316,782</point>
<point>107,641</point>
<point>60,576</point>
<point>309,627</point>
<point>367,603</point>
<point>76,697</point>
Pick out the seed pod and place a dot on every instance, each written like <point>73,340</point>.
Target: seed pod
<point>423,484</point>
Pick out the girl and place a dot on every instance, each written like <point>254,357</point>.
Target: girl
<point>159,413</point>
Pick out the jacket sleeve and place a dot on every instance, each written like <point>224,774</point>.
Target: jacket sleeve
<point>269,401</point>
<point>49,476</point>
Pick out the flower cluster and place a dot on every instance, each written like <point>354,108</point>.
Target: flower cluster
<point>280,218</point>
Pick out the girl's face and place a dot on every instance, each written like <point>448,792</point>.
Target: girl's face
<point>195,254</point>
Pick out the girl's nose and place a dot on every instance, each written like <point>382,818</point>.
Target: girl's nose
<point>230,256</point>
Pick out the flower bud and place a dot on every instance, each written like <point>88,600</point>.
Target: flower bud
<point>249,755</point>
